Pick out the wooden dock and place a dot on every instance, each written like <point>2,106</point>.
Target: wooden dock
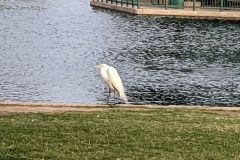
<point>170,12</point>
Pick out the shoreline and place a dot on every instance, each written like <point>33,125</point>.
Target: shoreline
<point>80,105</point>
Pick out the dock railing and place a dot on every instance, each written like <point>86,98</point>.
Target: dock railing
<point>179,4</point>
<point>128,3</point>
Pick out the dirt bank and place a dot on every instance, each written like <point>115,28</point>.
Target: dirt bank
<point>28,107</point>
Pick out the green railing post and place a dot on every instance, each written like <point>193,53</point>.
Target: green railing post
<point>221,5</point>
<point>111,1</point>
<point>121,2</point>
<point>194,5</point>
<point>166,5</point>
<point>138,4</point>
<point>132,4</point>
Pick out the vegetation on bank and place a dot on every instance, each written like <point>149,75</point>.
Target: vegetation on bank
<point>121,134</point>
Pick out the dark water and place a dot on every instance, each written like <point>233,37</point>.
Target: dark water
<point>48,50</point>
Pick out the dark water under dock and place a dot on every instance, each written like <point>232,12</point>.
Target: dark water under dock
<point>48,50</point>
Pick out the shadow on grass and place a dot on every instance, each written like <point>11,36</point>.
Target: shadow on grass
<point>12,158</point>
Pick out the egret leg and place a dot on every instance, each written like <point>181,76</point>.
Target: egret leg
<point>109,92</point>
<point>114,99</point>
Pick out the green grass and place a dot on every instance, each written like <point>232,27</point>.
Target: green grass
<point>118,134</point>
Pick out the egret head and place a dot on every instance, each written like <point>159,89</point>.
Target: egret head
<point>101,66</point>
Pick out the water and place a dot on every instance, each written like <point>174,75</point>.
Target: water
<point>48,50</point>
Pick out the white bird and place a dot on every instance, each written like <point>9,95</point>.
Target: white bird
<point>113,80</point>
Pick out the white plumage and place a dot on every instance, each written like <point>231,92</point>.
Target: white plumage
<point>113,80</point>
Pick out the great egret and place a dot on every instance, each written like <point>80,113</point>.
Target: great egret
<point>113,80</point>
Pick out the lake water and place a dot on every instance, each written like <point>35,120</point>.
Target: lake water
<point>48,50</point>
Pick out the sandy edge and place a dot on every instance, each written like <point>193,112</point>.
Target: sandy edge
<point>30,107</point>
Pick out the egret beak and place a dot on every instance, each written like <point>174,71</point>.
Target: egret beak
<point>99,66</point>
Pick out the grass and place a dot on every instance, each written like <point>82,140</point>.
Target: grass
<point>120,134</point>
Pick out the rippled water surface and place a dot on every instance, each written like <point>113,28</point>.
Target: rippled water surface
<point>48,50</point>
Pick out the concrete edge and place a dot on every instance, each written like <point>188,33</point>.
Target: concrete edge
<point>193,14</point>
<point>46,104</point>
<point>35,104</point>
